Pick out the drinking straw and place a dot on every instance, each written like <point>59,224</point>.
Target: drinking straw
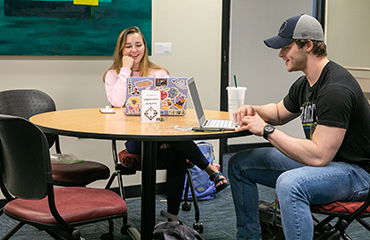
<point>236,85</point>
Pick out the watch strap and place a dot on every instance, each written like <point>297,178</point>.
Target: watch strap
<point>267,130</point>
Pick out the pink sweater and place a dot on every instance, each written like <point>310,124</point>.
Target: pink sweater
<point>115,85</point>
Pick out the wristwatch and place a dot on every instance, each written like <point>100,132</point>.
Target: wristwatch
<point>267,130</point>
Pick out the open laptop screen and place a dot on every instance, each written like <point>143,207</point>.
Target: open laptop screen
<point>196,101</point>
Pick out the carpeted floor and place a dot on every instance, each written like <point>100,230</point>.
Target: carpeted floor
<point>217,216</point>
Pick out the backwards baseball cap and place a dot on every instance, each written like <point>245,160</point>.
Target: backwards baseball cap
<point>298,27</point>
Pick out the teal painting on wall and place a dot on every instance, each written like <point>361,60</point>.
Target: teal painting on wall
<point>62,28</point>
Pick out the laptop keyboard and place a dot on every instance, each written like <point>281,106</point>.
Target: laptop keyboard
<point>220,123</point>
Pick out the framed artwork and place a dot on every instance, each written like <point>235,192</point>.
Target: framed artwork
<point>70,27</point>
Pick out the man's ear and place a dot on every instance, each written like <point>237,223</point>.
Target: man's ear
<point>309,46</point>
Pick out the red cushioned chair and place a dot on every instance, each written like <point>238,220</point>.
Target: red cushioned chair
<point>346,213</point>
<point>26,103</point>
<point>343,212</point>
<point>128,164</point>
<point>26,180</point>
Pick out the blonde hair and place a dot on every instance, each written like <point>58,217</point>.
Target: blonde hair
<point>145,63</point>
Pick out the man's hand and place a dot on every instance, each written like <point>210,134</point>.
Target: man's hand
<point>245,110</point>
<point>254,124</point>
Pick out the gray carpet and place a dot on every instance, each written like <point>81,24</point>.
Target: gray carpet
<point>217,216</point>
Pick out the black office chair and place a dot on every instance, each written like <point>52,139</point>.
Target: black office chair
<point>127,164</point>
<point>26,181</point>
<point>26,103</point>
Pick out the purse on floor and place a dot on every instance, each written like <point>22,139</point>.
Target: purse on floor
<point>170,230</point>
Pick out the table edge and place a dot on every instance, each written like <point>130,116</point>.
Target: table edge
<point>208,135</point>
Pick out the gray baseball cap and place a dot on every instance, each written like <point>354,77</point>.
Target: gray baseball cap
<point>299,27</point>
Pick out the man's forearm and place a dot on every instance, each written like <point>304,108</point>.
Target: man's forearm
<point>268,113</point>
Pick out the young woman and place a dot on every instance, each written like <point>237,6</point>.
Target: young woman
<point>131,59</point>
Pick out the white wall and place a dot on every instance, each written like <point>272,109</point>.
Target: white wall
<point>258,67</point>
<point>347,32</point>
<point>192,26</point>
<point>347,36</point>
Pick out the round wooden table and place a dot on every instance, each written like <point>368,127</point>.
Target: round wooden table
<point>90,123</point>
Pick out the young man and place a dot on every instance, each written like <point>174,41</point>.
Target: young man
<point>329,164</point>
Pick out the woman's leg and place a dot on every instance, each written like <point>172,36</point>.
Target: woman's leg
<point>175,180</point>
<point>246,169</point>
<point>176,170</point>
<point>133,147</point>
<point>191,151</point>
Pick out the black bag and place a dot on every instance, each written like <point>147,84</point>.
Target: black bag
<point>170,230</point>
<point>271,228</point>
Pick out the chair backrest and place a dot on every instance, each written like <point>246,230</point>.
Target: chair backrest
<point>25,169</point>
<point>26,103</point>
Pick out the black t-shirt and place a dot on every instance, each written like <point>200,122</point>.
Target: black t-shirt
<point>336,100</point>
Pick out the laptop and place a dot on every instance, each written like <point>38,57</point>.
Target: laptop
<point>174,94</point>
<point>206,124</point>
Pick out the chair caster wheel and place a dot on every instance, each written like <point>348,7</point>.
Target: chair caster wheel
<point>186,206</point>
<point>76,234</point>
<point>107,236</point>
<point>198,227</point>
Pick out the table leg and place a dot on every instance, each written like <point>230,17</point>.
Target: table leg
<point>222,150</point>
<point>148,185</point>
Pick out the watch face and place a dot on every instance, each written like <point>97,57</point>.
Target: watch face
<point>269,128</point>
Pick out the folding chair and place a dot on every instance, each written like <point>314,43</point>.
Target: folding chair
<point>26,181</point>
<point>345,213</point>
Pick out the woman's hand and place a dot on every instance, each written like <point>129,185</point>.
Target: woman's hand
<point>127,62</point>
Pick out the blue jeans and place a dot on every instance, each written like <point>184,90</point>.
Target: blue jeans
<point>296,185</point>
